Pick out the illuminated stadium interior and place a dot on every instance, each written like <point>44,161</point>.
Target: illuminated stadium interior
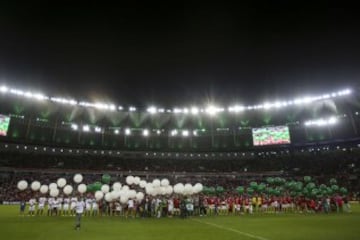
<point>34,118</point>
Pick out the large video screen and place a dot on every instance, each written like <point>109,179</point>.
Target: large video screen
<point>271,135</point>
<point>4,124</point>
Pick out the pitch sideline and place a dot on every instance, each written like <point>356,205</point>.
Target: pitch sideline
<point>232,230</point>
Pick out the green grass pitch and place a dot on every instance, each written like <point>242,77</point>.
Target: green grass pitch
<point>257,226</point>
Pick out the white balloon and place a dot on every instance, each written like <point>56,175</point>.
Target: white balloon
<point>82,188</point>
<point>115,194</point>
<point>179,188</point>
<point>149,190</point>
<point>136,180</point>
<point>198,187</point>
<point>156,183</point>
<point>68,189</point>
<point>169,190</point>
<point>130,180</point>
<point>78,178</point>
<point>53,186</point>
<point>22,185</point>
<point>108,197</point>
<point>142,184</point>
<point>165,182</point>
<point>61,182</point>
<point>123,199</point>
<point>44,189</point>
<point>35,185</point>
<point>54,192</point>
<point>116,186</point>
<point>99,195</point>
<point>105,188</point>
<point>139,196</point>
<point>148,185</point>
<point>125,188</point>
<point>188,189</point>
<point>162,190</point>
<point>131,194</point>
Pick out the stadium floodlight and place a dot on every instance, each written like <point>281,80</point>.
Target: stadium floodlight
<point>145,132</point>
<point>127,131</point>
<point>74,126</point>
<point>4,89</point>
<point>120,108</point>
<point>152,110</point>
<point>236,108</point>
<point>86,128</point>
<point>177,110</point>
<point>174,132</point>
<point>97,129</point>
<point>132,109</point>
<point>161,110</point>
<point>186,110</point>
<point>194,110</point>
<point>116,131</point>
<point>195,132</point>
<point>158,132</point>
<point>185,133</point>
<point>321,122</point>
<point>212,110</point>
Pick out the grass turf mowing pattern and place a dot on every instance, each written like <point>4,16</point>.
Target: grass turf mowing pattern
<point>257,226</point>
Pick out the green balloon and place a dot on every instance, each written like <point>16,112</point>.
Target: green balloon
<point>270,180</point>
<point>240,189</point>
<point>333,181</point>
<point>322,186</point>
<point>307,179</point>
<point>343,190</point>
<point>335,188</point>
<point>106,178</point>
<point>97,186</point>
<point>310,185</point>
<point>250,191</point>
<point>219,189</point>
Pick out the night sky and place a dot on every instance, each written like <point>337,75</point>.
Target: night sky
<point>179,54</point>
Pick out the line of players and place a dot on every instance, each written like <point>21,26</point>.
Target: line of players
<point>184,206</point>
<point>59,206</point>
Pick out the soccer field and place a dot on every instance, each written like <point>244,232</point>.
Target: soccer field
<point>257,226</point>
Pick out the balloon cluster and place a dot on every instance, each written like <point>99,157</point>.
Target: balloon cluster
<point>117,191</point>
<point>279,187</point>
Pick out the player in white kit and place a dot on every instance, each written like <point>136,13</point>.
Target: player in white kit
<point>66,206</point>
<point>32,204</point>
<point>88,203</point>
<point>73,202</point>
<point>41,206</point>
<point>95,207</point>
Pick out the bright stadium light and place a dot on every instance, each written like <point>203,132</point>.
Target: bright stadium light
<point>185,133</point>
<point>186,110</point>
<point>127,131</point>
<point>116,131</point>
<point>152,110</point>
<point>177,110</point>
<point>145,132</point>
<point>132,109</point>
<point>194,110</point>
<point>236,108</point>
<point>161,110</point>
<point>158,132</point>
<point>212,110</point>
<point>195,132</point>
<point>174,132</point>
<point>86,128</point>
<point>120,108</point>
<point>74,126</point>
<point>4,89</point>
<point>321,122</point>
<point>97,129</point>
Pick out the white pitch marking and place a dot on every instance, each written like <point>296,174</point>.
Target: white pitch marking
<point>232,230</point>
